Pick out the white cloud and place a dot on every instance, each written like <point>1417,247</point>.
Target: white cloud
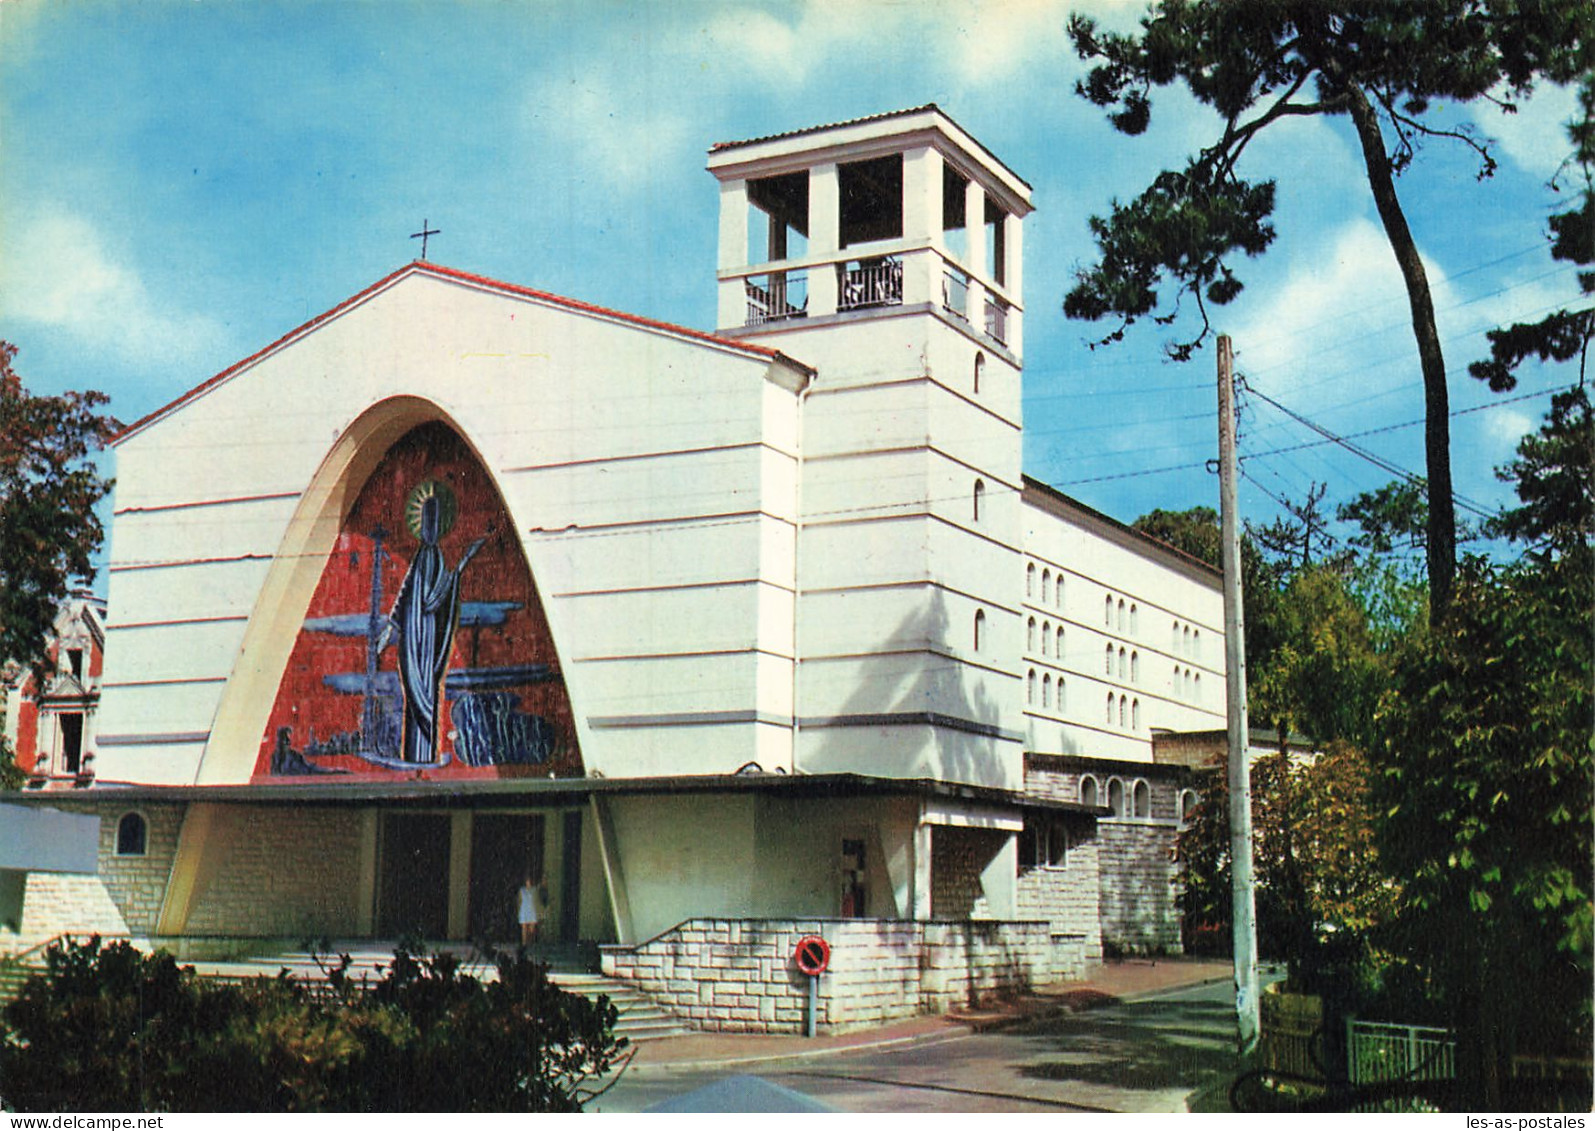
<point>1535,138</point>
<point>616,141</point>
<point>980,42</point>
<point>55,271</point>
<point>1341,310</point>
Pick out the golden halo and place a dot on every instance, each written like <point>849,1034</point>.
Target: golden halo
<point>448,506</point>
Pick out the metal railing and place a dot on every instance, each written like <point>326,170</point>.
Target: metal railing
<point>776,297</point>
<point>955,292</point>
<point>869,282</point>
<point>1380,1053</point>
<point>997,319</point>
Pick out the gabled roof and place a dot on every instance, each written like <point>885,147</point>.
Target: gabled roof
<point>868,119</point>
<point>422,267</point>
<point>1039,491</point>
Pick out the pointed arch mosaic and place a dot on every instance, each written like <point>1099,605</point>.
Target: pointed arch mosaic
<point>424,649</point>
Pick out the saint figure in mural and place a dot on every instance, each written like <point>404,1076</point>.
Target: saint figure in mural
<point>424,617</point>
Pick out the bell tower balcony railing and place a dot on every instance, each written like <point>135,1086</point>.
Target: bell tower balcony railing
<point>996,319</point>
<point>818,286</point>
<point>955,292</point>
<point>776,296</point>
<point>869,282</point>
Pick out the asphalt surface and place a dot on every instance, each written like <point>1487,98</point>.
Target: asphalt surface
<point>1152,1054</point>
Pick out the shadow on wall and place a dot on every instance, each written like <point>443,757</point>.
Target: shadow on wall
<point>934,688</point>
<point>994,967</point>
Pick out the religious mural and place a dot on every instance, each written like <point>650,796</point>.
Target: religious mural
<point>425,648</point>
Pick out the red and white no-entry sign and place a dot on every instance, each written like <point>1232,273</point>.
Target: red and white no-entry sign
<point>812,955</point>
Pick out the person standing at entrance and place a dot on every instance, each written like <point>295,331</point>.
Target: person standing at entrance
<point>526,901</point>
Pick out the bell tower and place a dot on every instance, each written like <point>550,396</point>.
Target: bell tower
<point>887,253</point>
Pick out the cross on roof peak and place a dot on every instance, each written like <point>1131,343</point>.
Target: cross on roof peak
<point>422,236</point>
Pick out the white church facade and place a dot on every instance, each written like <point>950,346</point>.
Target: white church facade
<point>722,637</point>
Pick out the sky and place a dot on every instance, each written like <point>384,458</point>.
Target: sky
<point>181,183</point>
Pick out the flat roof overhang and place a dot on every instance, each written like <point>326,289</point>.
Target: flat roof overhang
<point>548,792</point>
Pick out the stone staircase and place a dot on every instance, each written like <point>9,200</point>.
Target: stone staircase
<point>640,1017</point>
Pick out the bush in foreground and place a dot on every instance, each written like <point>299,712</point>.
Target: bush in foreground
<point>107,1028</point>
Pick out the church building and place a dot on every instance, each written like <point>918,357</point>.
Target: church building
<point>721,638</point>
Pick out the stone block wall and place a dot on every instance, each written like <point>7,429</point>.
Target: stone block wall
<point>1140,914</point>
<point>283,871</point>
<point>1068,896</point>
<point>957,858</point>
<point>1138,879</point>
<point>59,903</point>
<point>737,975</point>
<point>136,884</point>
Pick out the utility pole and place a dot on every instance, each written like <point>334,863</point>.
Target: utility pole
<point>1243,913</point>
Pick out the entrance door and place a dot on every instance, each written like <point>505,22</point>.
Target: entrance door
<point>413,889</point>
<point>505,849</point>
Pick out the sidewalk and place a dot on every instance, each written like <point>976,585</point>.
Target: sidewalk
<point>1119,980</point>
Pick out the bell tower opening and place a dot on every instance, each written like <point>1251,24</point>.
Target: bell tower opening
<point>858,219</point>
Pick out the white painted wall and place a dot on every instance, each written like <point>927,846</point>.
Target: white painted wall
<point>597,434</point>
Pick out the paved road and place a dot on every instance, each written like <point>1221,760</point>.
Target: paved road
<point>1149,1056</point>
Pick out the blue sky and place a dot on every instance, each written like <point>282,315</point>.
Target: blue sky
<point>184,182</point>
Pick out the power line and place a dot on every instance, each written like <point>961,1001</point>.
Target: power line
<point>1363,453</point>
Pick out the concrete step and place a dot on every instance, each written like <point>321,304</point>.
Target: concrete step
<point>640,1018</point>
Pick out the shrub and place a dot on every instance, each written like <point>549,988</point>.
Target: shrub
<point>108,1028</point>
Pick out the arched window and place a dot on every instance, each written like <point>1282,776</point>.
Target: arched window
<point>1059,701</point>
<point>1046,636</point>
<point>1179,685</point>
<point>1057,594</point>
<point>1030,689</point>
<point>1110,709</point>
<point>1116,796</point>
<point>1030,635</point>
<point>1046,692</point>
<point>1046,584</point>
<point>1187,651</point>
<point>1196,645</point>
<point>1088,790</point>
<point>1188,803</point>
<point>1122,621</point>
<point>980,629</point>
<point>1141,798</point>
<point>1135,714</point>
<point>1135,619</point>
<point>1058,651</point>
<point>1124,664</point>
<point>980,369</point>
<point>1030,580</point>
<point>1196,694</point>
<point>1135,667</point>
<point>1175,647</point>
<point>1107,661</point>
<point>1107,612</point>
<point>132,835</point>
<point>1190,684</point>
<point>1123,714</point>
<point>980,497</point>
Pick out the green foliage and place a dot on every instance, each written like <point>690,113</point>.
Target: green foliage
<point>1484,808</point>
<point>1320,888</point>
<point>106,1028</point>
<point>1380,65</point>
<point>1555,477</point>
<point>48,492</point>
<point>1258,63</point>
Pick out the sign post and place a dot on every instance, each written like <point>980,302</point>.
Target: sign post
<point>812,956</point>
